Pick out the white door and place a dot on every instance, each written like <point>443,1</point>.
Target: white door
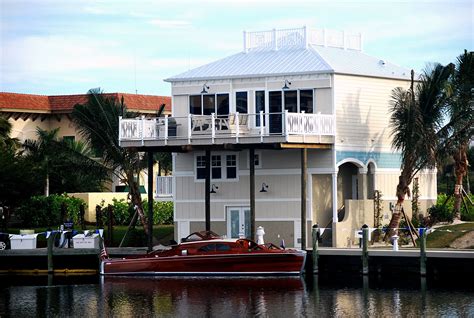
<point>238,222</point>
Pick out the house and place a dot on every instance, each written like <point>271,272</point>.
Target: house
<point>294,131</point>
<point>27,112</point>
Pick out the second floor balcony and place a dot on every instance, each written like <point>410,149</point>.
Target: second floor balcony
<point>235,128</point>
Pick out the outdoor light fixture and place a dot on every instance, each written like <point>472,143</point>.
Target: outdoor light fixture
<point>214,188</point>
<point>287,82</point>
<point>264,187</point>
<point>204,88</point>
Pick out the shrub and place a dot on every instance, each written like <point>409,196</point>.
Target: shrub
<point>162,211</point>
<point>443,210</point>
<point>42,211</point>
<point>122,212</point>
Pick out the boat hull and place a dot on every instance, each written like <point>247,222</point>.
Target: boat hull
<point>284,263</point>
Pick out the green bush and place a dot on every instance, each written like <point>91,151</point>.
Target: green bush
<point>443,210</point>
<point>123,212</point>
<point>163,212</point>
<point>42,211</point>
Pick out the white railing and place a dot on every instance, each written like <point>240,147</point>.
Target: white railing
<point>301,37</point>
<point>235,125</point>
<point>164,186</point>
<point>309,124</point>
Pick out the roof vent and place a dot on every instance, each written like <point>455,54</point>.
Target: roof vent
<point>382,62</point>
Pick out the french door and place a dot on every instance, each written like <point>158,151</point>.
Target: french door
<point>238,222</point>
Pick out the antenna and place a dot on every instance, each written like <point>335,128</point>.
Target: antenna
<point>135,69</point>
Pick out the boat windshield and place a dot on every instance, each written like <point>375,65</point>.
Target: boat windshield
<point>201,236</point>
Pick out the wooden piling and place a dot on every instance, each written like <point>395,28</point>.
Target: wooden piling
<point>365,252</point>
<point>315,234</point>
<point>50,243</point>
<point>423,252</point>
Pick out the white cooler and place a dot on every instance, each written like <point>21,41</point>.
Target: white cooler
<point>23,241</point>
<point>82,241</point>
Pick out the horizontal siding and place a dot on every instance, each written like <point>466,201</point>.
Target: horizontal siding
<point>387,183</point>
<point>362,110</point>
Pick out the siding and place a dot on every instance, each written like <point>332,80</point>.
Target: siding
<point>362,111</point>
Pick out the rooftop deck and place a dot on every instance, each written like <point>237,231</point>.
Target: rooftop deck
<point>235,128</point>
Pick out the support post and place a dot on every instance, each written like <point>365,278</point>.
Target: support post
<point>304,168</point>
<point>207,194</point>
<point>150,201</point>
<point>50,243</point>
<point>365,252</point>
<point>315,235</point>
<point>110,226</point>
<point>252,192</point>
<point>423,252</point>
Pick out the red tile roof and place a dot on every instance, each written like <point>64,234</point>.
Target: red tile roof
<point>65,103</point>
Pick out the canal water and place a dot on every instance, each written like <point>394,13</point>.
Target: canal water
<point>335,296</point>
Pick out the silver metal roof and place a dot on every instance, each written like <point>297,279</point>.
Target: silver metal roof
<point>294,61</point>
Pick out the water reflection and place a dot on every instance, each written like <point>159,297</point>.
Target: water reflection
<point>325,296</point>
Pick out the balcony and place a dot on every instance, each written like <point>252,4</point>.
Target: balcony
<point>235,128</point>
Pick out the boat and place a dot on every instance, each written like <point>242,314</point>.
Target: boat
<point>206,253</point>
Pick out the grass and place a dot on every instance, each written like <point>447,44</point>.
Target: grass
<point>136,237</point>
<point>441,238</point>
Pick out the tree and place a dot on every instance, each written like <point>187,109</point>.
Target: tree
<point>417,123</point>
<point>98,123</point>
<point>65,166</point>
<point>6,142</point>
<point>461,112</point>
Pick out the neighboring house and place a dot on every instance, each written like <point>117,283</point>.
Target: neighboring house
<point>27,112</point>
<point>286,91</point>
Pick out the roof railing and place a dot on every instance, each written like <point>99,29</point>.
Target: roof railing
<point>300,38</point>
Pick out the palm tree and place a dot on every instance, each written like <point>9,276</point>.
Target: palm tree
<point>6,142</point>
<point>98,123</point>
<point>66,166</point>
<point>416,121</point>
<point>461,108</point>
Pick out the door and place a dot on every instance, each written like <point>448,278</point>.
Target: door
<point>238,222</point>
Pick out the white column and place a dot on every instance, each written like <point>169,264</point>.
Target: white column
<point>334,197</point>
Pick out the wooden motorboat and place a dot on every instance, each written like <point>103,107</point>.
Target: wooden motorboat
<point>206,253</point>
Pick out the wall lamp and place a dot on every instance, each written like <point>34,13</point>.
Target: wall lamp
<point>287,82</point>
<point>264,187</point>
<point>214,188</point>
<point>204,88</point>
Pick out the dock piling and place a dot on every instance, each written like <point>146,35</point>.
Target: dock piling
<point>315,235</point>
<point>50,243</point>
<point>423,251</point>
<point>365,252</point>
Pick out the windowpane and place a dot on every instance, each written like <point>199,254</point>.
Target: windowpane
<point>216,166</point>
<point>306,100</point>
<point>231,166</point>
<point>274,104</point>
<point>222,247</point>
<point>241,102</point>
<point>259,105</point>
<point>222,104</point>
<point>195,105</point>
<point>257,160</point>
<point>200,167</point>
<point>209,103</point>
<point>291,103</point>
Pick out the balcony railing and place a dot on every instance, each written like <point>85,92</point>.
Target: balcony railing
<point>235,125</point>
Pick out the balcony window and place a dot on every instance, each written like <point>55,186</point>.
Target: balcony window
<point>291,101</point>
<point>209,103</point>
<point>241,102</point>
<point>259,106</point>
<point>306,100</point>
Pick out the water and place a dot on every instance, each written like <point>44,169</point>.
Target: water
<point>90,296</point>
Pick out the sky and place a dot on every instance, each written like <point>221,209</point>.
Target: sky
<point>70,46</point>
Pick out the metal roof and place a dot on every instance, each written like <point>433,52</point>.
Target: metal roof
<point>293,61</point>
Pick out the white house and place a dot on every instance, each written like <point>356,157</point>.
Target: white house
<point>301,101</point>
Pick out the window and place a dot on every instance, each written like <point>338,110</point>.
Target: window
<point>306,100</point>
<point>207,248</point>
<point>257,159</point>
<point>195,105</point>
<point>291,101</point>
<point>222,247</point>
<point>259,105</point>
<point>201,167</point>
<point>223,167</point>
<point>216,167</point>
<point>241,102</point>
<point>222,104</point>
<point>69,139</point>
<point>208,104</point>
<point>231,166</point>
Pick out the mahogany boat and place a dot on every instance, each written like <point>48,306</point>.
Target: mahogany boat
<point>206,253</point>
